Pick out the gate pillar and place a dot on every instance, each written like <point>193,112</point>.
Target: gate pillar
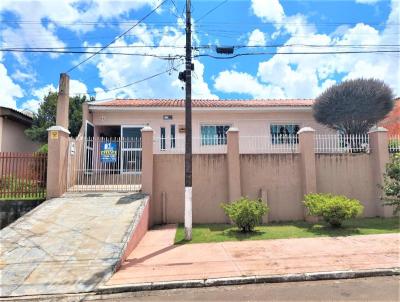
<point>58,141</point>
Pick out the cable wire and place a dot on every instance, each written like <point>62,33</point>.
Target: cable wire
<point>118,37</point>
<point>211,10</point>
<point>136,82</point>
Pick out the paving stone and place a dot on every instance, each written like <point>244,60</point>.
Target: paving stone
<point>69,244</point>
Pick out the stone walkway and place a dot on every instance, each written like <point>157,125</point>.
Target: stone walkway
<point>157,259</point>
<point>69,244</point>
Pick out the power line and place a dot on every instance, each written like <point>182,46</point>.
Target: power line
<point>212,23</point>
<point>118,37</point>
<point>211,10</point>
<point>175,56</point>
<point>164,57</point>
<point>134,83</point>
<point>205,46</point>
<point>294,53</point>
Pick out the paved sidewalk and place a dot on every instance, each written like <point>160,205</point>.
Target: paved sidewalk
<point>67,245</point>
<point>157,259</point>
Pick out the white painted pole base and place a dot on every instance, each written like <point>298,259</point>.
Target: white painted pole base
<point>188,213</point>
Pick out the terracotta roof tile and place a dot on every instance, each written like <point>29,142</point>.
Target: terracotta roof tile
<point>203,103</point>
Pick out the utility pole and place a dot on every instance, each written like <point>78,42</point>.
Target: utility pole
<point>188,127</point>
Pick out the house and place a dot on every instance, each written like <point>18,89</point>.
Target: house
<point>392,121</point>
<point>13,123</point>
<point>275,120</point>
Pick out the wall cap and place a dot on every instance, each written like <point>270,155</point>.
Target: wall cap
<point>377,129</point>
<point>58,128</point>
<point>146,129</point>
<point>306,129</point>
<point>233,129</point>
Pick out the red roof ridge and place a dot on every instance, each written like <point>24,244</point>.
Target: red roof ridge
<point>210,103</point>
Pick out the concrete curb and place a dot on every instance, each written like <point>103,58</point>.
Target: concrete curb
<point>248,280</point>
<point>149,286</point>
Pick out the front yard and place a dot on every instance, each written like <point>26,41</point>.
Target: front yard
<point>297,229</point>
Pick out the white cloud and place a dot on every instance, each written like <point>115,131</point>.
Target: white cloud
<point>268,10</point>
<point>77,88</point>
<point>37,95</point>
<point>229,81</point>
<point>117,71</point>
<point>46,16</point>
<point>20,76</point>
<point>37,98</point>
<point>304,76</point>
<point>9,91</point>
<point>257,38</point>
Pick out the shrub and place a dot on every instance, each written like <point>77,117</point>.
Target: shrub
<point>43,149</point>
<point>333,209</point>
<point>245,213</point>
<point>391,186</point>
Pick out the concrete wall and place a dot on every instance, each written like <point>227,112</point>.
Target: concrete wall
<point>279,175</point>
<point>350,175</point>
<point>210,187</point>
<point>13,138</point>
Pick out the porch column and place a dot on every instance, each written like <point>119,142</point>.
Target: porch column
<point>234,185</point>
<point>58,141</point>
<point>147,160</point>
<point>307,162</point>
<point>378,140</point>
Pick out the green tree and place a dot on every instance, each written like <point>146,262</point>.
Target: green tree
<point>391,186</point>
<point>354,106</point>
<point>46,116</point>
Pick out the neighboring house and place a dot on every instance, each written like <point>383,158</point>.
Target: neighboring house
<point>13,123</point>
<point>392,121</point>
<point>211,119</point>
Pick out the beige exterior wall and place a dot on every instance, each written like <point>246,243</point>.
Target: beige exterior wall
<point>250,123</point>
<point>279,176</point>
<point>210,187</point>
<point>13,138</point>
<point>350,175</point>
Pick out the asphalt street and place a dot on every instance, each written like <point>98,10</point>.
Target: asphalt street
<point>363,289</point>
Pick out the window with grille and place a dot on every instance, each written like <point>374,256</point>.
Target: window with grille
<point>213,134</point>
<point>284,133</point>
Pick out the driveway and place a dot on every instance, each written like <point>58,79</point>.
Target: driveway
<point>68,245</point>
<point>156,258</point>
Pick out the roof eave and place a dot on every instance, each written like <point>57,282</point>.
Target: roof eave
<point>199,109</point>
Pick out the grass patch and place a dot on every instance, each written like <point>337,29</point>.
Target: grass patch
<point>297,229</point>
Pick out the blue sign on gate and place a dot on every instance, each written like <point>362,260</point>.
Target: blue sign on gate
<point>108,152</point>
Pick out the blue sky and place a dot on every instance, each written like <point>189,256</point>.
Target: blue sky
<point>282,28</point>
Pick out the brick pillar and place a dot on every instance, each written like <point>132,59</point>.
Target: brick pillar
<point>63,101</point>
<point>307,158</point>
<point>58,141</point>
<point>147,160</point>
<point>378,138</point>
<point>234,185</point>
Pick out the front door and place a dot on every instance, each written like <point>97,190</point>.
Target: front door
<point>131,149</point>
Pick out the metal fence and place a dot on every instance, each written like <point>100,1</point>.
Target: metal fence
<point>269,144</point>
<point>324,143</point>
<point>209,145</point>
<point>105,164</point>
<point>23,175</point>
<point>341,143</point>
<point>394,143</point>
